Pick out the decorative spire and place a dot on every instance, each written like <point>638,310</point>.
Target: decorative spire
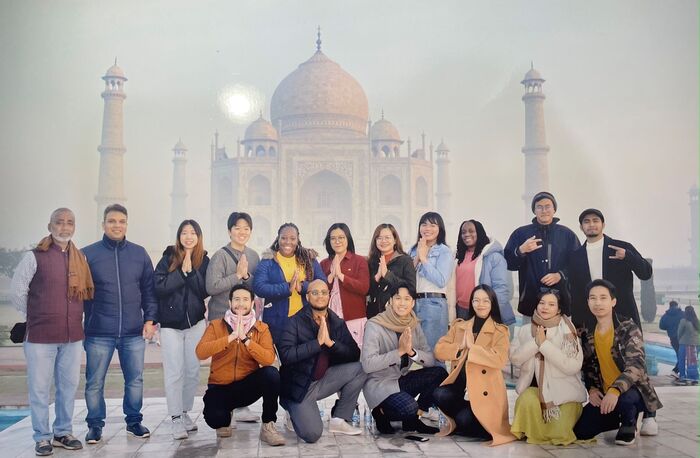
<point>532,66</point>
<point>318,38</point>
<point>382,113</point>
<point>115,60</point>
<point>261,113</point>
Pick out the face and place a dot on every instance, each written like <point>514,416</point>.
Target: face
<point>429,231</point>
<point>114,225</point>
<point>240,232</point>
<point>481,304</point>
<point>188,237</point>
<point>592,226</point>
<point>62,226</point>
<point>318,295</point>
<point>339,242</point>
<point>548,307</point>
<point>241,302</point>
<point>468,234</point>
<point>600,302</point>
<point>402,302</point>
<point>385,241</point>
<point>288,241</point>
<point>544,211</point>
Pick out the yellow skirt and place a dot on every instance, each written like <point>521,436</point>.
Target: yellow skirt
<point>528,421</point>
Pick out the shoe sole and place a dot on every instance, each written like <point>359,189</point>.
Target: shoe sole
<point>43,454</point>
<point>347,433</point>
<point>620,442</point>
<point>179,438</point>
<point>145,436</point>
<point>93,441</point>
<point>58,444</point>
<point>278,444</point>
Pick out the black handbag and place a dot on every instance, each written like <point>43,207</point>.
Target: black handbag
<point>18,331</point>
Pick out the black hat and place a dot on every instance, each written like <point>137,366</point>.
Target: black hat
<point>591,211</point>
<point>543,195</point>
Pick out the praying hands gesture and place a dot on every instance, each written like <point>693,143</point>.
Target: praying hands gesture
<point>406,342</point>
<point>237,333</point>
<point>242,268</point>
<point>187,262</point>
<point>382,270</point>
<point>324,338</point>
<point>421,252</point>
<point>294,283</point>
<point>540,336</point>
<point>469,336</point>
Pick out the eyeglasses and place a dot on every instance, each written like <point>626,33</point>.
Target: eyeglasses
<point>541,208</point>
<point>316,293</point>
<point>480,301</point>
<point>340,238</point>
<point>385,238</point>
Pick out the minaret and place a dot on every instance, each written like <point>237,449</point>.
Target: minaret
<point>442,193</point>
<point>694,235</point>
<point>535,149</point>
<point>110,187</point>
<point>178,197</point>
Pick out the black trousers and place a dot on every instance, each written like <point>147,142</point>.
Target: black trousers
<point>422,382</point>
<point>592,422</point>
<point>450,399</point>
<point>220,400</point>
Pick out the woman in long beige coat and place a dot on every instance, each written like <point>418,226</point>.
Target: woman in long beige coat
<point>473,397</point>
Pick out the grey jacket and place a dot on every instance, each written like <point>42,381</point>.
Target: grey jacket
<point>381,361</point>
<point>221,277</point>
<point>687,335</point>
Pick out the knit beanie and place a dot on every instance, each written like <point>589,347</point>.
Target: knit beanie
<point>543,195</point>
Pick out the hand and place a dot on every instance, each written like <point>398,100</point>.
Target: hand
<point>406,342</point>
<point>463,344</point>
<point>608,403</point>
<point>540,336</point>
<point>422,250</point>
<point>328,342</point>
<point>242,268</point>
<point>595,396</point>
<point>551,279</point>
<point>233,335</point>
<point>530,245</point>
<point>187,262</point>
<point>322,335</point>
<point>336,270</point>
<point>619,252</point>
<point>149,330</point>
<point>293,281</point>
<point>239,331</point>
<point>383,269</point>
<point>298,283</point>
<point>469,335</point>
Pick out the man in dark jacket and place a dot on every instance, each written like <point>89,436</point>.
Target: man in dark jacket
<point>319,358</point>
<point>121,314</point>
<point>603,257</point>
<point>540,253</point>
<point>669,323</point>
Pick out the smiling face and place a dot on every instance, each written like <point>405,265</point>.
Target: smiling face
<point>241,302</point>
<point>339,241</point>
<point>481,304</point>
<point>600,302</point>
<point>62,226</point>
<point>288,242</point>
<point>188,237</point>
<point>468,234</point>
<point>114,225</point>
<point>402,302</point>
<point>318,295</point>
<point>544,211</point>
<point>548,307</point>
<point>429,231</point>
<point>385,241</point>
<point>240,233</point>
<point>592,226</point>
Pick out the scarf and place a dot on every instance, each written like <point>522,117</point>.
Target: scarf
<point>248,321</point>
<point>80,284</point>
<point>335,303</point>
<point>550,411</point>
<point>390,320</point>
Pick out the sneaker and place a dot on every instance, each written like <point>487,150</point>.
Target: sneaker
<point>626,435</point>
<point>138,430</point>
<point>649,427</point>
<point>269,434</point>
<point>190,425</point>
<point>431,415</point>
<point>680,382</point>
<point>94,435</point>
<point>340,426</point>
<point>674,375</point>
<point>178,429</point>
<point>245,415</point>
<point>69,442</point>
<point>414,424</point>
<point>43,448</point>
<point>288,424</point>
<point>224,432</point>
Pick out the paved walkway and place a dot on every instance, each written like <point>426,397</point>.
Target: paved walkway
<point>678,437</point>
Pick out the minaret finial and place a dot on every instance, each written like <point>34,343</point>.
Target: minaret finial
<point>115,60</point>
<point>261,113</point>
<point>318,38</point>
<point>382,113</point>
<point>532,66</point>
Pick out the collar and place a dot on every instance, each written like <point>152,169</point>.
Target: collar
<point>113,244</point>
<point>555,220</point>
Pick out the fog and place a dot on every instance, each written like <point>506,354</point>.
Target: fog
<point>621,109</point>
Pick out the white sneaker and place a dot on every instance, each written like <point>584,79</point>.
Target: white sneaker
<point>340,426</point>
<point>244,414</point>
<point>288,424</point>
<point>190,425</point>
<point>649,427</point>
<point>432,415</point>
<point>178,429</point>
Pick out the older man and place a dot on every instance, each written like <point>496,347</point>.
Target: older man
<point>49,286</point>
<point>319,358</point>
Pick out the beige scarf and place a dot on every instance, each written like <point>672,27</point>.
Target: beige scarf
<point>390,320</point>
<point>550,411</point>
<point>80,284</point>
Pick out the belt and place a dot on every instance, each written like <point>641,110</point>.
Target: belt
<point>431,295</point>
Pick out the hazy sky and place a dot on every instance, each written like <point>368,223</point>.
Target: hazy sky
<point>621,108</point>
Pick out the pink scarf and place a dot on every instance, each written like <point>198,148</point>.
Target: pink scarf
<point>248,321</point>
<point>335,303</point>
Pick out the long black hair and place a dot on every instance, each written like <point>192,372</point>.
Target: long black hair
<point>481,241</point>
<point>327,241</point>
<point>434,218</point>
<point>301,254</point>
<point>495,312</point>
<point>689,314</point>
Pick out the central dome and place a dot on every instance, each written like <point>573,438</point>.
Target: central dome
<point>320,95</point>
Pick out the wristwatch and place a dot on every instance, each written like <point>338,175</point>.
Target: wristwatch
<point>245,339</point>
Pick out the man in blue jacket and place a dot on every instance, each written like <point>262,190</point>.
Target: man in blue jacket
<point>540,253</point>
<point>120,316</point>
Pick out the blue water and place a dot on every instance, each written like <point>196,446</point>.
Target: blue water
<point>9,417</point>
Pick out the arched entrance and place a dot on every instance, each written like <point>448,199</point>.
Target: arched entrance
<point>325,198</point>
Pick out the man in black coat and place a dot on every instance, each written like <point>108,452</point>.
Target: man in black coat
<point>319,358</point>
<point>603,257</point>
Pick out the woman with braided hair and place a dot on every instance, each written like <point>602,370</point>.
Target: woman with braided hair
<point>283,276</point>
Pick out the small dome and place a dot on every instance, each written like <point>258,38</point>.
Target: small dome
<point>261,129</point>
<point>179,146</point>
<point>532,75</point>
<point>115,72</point>
<point>384,130</point>
<point>442,147</point>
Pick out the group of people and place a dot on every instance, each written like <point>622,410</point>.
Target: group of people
<point>682,327</point>
<point>291,330</point>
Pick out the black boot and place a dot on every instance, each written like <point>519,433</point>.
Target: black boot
<point>414,424</point>
<point>382,422</point>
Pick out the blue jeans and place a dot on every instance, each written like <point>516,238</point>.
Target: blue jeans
<point>432,313</point>
<point>687,362</point>
<point>60,362</point>
<point>99,354</point>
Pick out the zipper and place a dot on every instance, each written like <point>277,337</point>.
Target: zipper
<point>119,289</point>
<point>67,303</point>
<point>235,362</point>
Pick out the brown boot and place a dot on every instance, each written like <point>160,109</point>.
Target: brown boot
<point>269,434</point>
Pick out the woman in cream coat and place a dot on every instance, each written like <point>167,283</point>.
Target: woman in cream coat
<point>550,391</point>
<point>478,349</point>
